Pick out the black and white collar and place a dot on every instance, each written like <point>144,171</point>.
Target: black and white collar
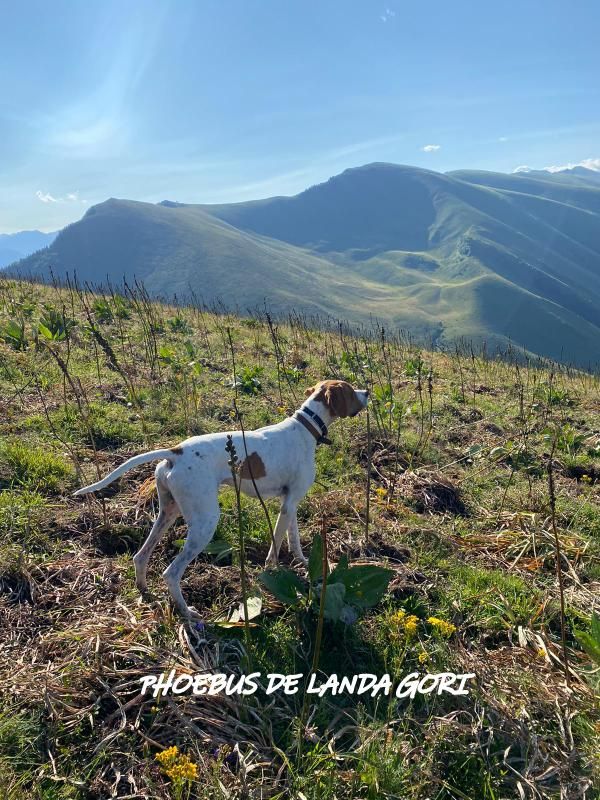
<point>315,422</point>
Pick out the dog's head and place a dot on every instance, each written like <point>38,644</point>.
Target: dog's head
<point>339,397</point>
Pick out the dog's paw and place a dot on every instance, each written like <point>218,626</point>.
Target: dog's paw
<point>191,614</point>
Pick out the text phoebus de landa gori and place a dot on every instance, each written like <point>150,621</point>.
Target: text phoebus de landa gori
<point>364,683</point>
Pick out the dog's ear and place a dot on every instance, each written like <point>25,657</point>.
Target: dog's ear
<point>341,399</point>
<point>311,390</point>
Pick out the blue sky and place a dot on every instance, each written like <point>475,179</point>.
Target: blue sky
<point>224,100</point>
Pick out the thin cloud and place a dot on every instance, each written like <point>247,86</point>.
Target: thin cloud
<point>387,14</point>
<point>503,138</point>
<point>588,163</point>
<point>70,197</point>
<point>431,148</point>
<point>45,197</point>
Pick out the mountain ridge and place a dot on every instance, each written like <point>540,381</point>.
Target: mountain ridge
<point>430,252</point>
<point>14,246</point>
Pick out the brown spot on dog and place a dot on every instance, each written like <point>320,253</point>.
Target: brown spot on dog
<point>177,450</point>
<point>339,397</point>
<point>253,467</point>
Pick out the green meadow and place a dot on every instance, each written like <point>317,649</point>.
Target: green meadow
<point>474,480</point>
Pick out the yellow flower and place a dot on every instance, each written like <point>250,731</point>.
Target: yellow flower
<point>281,409</point>
<point>399,617</point>
<point>381,492</point>
<point>168,756</point>
<point>410,626</point>
<point>232,414</point>
<point>423,657</point>
<point>586,479</point>
<point>177,766</point>
<point>388,405</point>
<point>445,628</point>
<point>541,652</point>
<point>183,770</point>
<point>407,622</point>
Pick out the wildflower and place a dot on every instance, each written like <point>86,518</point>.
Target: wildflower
<point>422,657</point>
<point>410,626</point>
<point>586,479</point>
<point>183,770</point>
<point>168,756</point>
<point>445,628</point>
<point>281,409</point>
<point>388,405</point>
<point>232,414</point>
<point>177,766</point>
<point>381,492</point>
<point>408,622</point>
<point>541,652</point>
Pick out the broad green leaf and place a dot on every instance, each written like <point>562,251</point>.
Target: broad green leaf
<point>348,615</point>
<point>334,600</point>
<point>596,627</point>
<point>365,584</point>
<point>219,548</point>
<point>284,584</point>
<point>46,332</point>
<point>236,618</point>
<point>589,644</point>
<point>339,569</point>
<point>12,329</point>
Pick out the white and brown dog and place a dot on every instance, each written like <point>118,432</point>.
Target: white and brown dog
<point>278,459</point>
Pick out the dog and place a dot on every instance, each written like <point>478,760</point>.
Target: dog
<point>277,460</point>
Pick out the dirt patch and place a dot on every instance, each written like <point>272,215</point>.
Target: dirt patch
<point>384,453</point>
<point>491,427</point>
<point>407,583</point>
<point>580,472</point>
<point>15,587</point>
<point>431,493</point>
<point>379,546</point>
<point>207,585</point>
<point>117,541</point>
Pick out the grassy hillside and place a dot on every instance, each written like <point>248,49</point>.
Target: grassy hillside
<point>477,478</point>
<point>408,245</point>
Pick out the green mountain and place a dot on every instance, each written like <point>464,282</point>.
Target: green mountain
<point>486,256</point>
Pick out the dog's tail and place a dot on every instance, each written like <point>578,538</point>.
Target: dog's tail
<point>143,458</point>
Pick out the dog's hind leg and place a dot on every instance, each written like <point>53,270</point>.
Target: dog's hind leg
<point>168,511</point>
<point>280,528</point>
<point>202,518</point>
<point>294,538</point>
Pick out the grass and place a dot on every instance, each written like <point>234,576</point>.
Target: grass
<point>30,466</point>
<point>459,510</point>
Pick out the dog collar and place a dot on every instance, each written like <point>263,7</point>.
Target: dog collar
<point>322,438</point>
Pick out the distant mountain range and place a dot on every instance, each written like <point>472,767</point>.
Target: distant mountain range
<point>481,255</point>
<point>14,246</point>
